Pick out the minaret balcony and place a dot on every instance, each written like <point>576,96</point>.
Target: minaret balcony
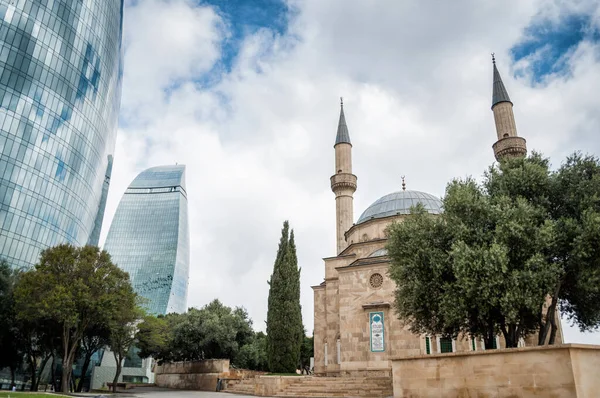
<point>343,181</point>
<point>510,147</point>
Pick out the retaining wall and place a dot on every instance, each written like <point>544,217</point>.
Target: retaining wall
<point>568,370</point>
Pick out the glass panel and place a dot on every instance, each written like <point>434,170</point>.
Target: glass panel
<point>60,79</point>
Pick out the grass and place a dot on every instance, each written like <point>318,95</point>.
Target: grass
<point>10,394</point>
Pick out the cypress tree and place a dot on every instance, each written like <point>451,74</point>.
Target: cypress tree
<point>296,310</point>
<point>284,318</point>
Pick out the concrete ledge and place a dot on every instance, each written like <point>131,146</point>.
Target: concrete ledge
<point>568,370</point>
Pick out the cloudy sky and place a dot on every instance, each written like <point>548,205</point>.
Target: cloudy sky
<point>246,94</point>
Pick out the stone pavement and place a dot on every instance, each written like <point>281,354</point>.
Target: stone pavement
<point>151,392</point>
<point>186,394</point>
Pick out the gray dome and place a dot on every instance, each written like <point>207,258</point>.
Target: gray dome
<point>400,203</point>
<point>380,252</point>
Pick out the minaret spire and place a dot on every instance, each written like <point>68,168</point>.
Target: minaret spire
<point>509,144</point>
<point>342,131</point>
<point>343,182</point>
<point>499,93</point>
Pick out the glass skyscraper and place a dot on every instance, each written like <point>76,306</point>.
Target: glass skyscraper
<point>60,87</point>
<point>149,238</point>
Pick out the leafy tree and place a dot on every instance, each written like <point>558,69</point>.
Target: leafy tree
<point>96,336</point>
<point>500,249</point>
<point>307,351</point>
<point>39,340</point>
<point>570,197</point>
<point>152,337</point>
<point>214,331</point>
<point>122,326</point>
<point>253,355</point>
<point>73,287</point>
<point>10,345</point>
<point>284,317</point>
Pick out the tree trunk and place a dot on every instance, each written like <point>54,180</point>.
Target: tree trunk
<point>117,373</point>
<point>33,370</point>
<point>68,357</point>
<point>511,335</point>
<point>53,373</point>
<point>550,315</point>
<point>554,329</point>
<point>489,339</point>
<point>13,370</point>
<point>66,370</point>
<point>67,366</point>
<point>86,363</point>
<point>39,375</point>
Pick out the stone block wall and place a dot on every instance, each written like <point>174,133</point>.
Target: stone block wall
<point>197,375</point>
<point>569,370</point>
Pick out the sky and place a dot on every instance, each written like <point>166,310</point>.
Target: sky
<point>246,93</point>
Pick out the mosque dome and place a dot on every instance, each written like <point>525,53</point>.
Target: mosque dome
<point>400,203</point>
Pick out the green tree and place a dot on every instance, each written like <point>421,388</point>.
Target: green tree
<point>284,316</point>
<point>307,351</point>
<point>96,336</point>
<point>10,344</point>
<point>38,340</point>
<point>570,196</point>
<point>73,287</point>
<point>500,249</point>
<point>152,337</point>
<point>122,326</point>
<point>253,355</point>
<point>214,331</point>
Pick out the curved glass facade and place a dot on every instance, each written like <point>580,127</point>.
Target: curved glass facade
<point>60,73</point>
<point>149,238</point>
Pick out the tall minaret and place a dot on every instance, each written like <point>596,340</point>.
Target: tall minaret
<point>509,144</point>
<point>343,182</point>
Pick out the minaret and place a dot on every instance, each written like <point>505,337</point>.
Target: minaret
<point>343,182</point>
<point>509,144</point>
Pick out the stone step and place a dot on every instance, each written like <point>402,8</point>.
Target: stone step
<point>313,387</point>
<point>348,386</point>
<point>300,390</point>
<point>343,384</point>
<point>340,384</point>
<point>346,394</point>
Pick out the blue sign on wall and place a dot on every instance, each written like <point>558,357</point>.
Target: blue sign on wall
<point>377,331</point>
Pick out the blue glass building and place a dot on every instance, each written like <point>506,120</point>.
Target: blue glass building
<point>60,74</point>
<point>149,238</point>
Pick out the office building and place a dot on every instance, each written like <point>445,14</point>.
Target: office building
<point>149,238</point>
<point>60,87</point>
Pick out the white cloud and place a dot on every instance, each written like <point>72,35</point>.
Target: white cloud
<point>166,42</point>
<point>416,80</point>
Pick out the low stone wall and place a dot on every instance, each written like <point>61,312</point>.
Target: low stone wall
<point>197,375</point>
<point>569,370</point>
<point>206,366</point>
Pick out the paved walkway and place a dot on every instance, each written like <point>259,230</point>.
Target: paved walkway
<point>186,394</point>
<point>154,392</point>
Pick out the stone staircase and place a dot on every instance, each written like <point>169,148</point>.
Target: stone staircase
<point>340,387</point>
<point>371,387</point>
<point>242,386</point>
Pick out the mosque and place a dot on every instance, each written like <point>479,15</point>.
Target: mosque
<point>356,331</point>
